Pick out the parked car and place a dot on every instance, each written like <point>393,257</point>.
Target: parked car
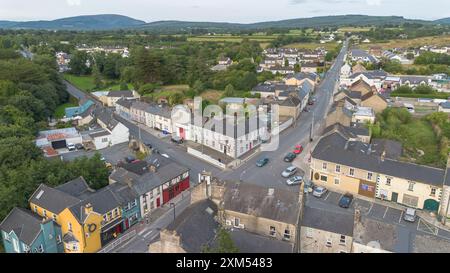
<point>148,145</point>
<point>130,159</point>
<point>319,192</point>
<point>262,161</point>
<point>71,147</point>
<point>410,215</point>
<point>289,157</point>
<point>298,149</point>
<point>177,140</point>
<point>79,146</point>
<point>345,201</point>
<point>295,180</point>
<point>289,171</point>
<point>308,186</point>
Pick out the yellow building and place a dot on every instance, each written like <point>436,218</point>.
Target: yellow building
<point>373,170</point>
<point>88,219</point>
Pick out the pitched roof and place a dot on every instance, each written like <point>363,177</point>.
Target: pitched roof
<point>106,116</point>
<point>196,226</point>
<point>338,149</point>
<point>302,76</point>
<point>276,204</point>
<point>52,199</point>
<point>328,220</point>
<point>25,224</point>
<point>77,187</point>
<point>124,93</point>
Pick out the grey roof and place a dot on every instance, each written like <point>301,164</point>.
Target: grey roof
<point>327,220</point>
<point>25,224</point>
<point>359,53</point>
<point>106,116</point>
<point>393,149</point>
<point>302,75</point>
<point>371,74</point>
<point>414,79</point>
<point>447,176</point>
<point>77,187</point>
<point>124,93</point>
<point>231,126</point>
<point>248,242</point>
<point>445,105</point>
<point>262,87</point>
<point>196,226</point>
<point>343,130</point>
<point>291,101</point>
<point>99,134</point>
<point>276,204</point>
<point>53,200</point>
<point>368,231</point>
<point>124,103</point>
<point>337,149</point>
<point>139,105</point>
<point>159,110</point>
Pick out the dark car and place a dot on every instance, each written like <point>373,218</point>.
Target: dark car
<point>79,146</point>
<point>261,162</point>
<point>130,159</point>
<point>345,201</point>
<point>148,145</point>
<point>289,157</point>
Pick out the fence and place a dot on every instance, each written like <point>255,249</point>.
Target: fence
<point>205,157</point>
<point>117,242</point>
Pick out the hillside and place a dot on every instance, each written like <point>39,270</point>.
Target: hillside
<point>443,21</point>
<point>88,22</point>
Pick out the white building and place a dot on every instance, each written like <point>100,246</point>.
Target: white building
<point>113,132</point>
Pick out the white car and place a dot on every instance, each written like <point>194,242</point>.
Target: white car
<point>410,215</point>
<point>289,171</point>
<point>319,191</point>
<point>71,147</point>
<point>295,180</point>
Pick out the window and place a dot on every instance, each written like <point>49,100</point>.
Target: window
<point>272,231</point>
<point>342,240</point>
<point>54,217</point>
<point>411,186</point>
<point>329,243</point>
<point>351,172</point>
<point>287,234</point>
<point>433,192</point>
<point>134,203</point>
<point>40,249</point>
<point>388,181</point>
<point>337,181</point>
<point>16,245</point>
<point>324,166</point>
<point>6,236</point>
<point>323,178</point>
<point>35,209</point>
<point>105,139</point>
<point>309,232</point>
<point>70,226</point>
<point>338,168</point>
<point>369,176</point>
<point>44,212</point>
<point>58,239</point>
<point>26,248</point>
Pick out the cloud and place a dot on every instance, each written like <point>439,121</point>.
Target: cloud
<point>73,2</point>
<point>373,2</point>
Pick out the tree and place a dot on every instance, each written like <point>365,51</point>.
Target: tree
<point>97,77</point>
<point>229,91</point>
<point>78,63</point>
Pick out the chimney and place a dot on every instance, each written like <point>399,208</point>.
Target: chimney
<point>129,182</point>
<point>88,208</point>
<point>152,168</point>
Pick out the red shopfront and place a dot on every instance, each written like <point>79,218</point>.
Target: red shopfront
<point>175,187</point>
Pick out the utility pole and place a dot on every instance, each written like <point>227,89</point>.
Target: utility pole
<point>312,128</point>
<point>174,215</point>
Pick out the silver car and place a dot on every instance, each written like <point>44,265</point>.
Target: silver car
<point>410,215</point>
<point>319,192</point>
<point>289,171</point>
<point>295,180</point>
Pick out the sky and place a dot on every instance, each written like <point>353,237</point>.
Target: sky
<point>236,11</point>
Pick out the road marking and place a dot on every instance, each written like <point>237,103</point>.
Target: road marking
<point>141,232</point>
<point>384,215</point>
<point>370,209</point>
<point>328,194</point>
<point>148,233</point>
<point>400,218</point>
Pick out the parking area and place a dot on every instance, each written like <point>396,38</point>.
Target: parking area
<point>112,154</point>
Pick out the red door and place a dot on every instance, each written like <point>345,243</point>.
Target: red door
<point>127,223</point>
<point>182,133</point>
<point>158,203</point>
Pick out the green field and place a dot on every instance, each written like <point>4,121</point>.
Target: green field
<point>327,46</point>
<point>59,112</point>
<point>86,83</point>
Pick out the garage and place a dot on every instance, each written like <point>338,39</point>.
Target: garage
<point>60,144</point>
<point>431,205</point>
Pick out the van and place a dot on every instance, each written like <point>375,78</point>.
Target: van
<point>410,215</point>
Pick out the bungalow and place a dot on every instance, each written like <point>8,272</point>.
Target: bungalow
<point>359,55</point>
<point>113,132</point>
<point>414,81</point>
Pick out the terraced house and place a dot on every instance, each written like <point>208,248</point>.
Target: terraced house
<point>373,170</point>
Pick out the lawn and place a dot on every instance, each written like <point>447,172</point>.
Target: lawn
<point>85,83</point>
<point>59,112</point>
<point>327,46</point>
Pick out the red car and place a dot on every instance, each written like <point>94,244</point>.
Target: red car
<point>298,149</point>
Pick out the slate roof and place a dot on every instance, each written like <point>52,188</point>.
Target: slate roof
<point>262,87</point>
<point>393,149</point>
<point>52,199</point>
<point>291,101</point>
<point>77,187</point>
<point>371,74</point>
<point>337,149</point>
<point>359,53</point>
<point>124,103</point>
<point>302,75</point>
<point>445,105</point>
<point>159,110</point>
<point>328,220</point>
<point>25,224</point>
<point>106,116</point>
<point>196,226</point>
<point>276,204</point>
<point>124,93</point>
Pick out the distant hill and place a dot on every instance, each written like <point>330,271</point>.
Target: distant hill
<point>110,21</point>
<point>443,21</point>
<point>87,22</point>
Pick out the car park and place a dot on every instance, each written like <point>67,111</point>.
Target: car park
<point>319,192</point>
<point>295,180</point>
<point>289,157</point>
<point>262,161</point>
<point>289,171</point>
<point>345,201</point>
